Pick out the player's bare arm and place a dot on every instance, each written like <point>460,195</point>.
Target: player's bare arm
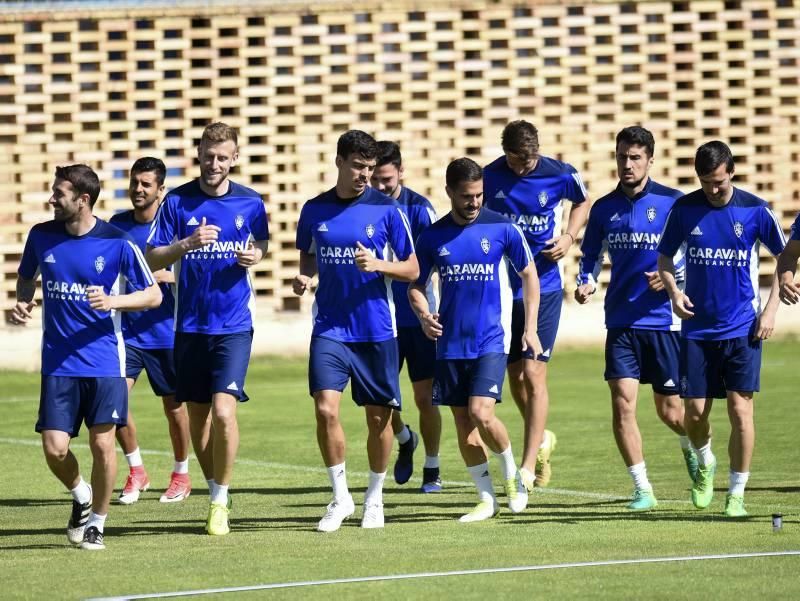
<point>22,312</point>
<point>561,244</point>
<point>530,298</point>
<point>419,303</point>
<point>149,298</point>
<point>163,256</point>
<point>681,304</point>
<point>404,271</point>
<point>765,326</point>
<point>308,269</point>
<point>789,292</point>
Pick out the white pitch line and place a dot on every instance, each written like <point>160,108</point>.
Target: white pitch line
<point>558,566</point>
<point>564,492</point>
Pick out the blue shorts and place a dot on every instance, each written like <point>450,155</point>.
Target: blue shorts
<point>457,380</point>
<point>650,356</point>
<point>209,363</point>
<point>709,368</point>
<point>371,365</point>
<point>418,350</point>
<point>159,363</point>
<point>547,322</point>
<point>65,402</point>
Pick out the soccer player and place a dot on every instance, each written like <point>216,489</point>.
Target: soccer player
<point>85,264</point>
<point>214,230</point>
<point>414,347</point>
<point>349,236</point>
<point>642,341</point>
<point>530,189</point>
<point>468,248</point>
<point>723,327</point>
<point>149,337</point>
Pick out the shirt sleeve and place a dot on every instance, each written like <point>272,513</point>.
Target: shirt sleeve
<point>770,231</point>
<point>795,231</point>
<point>672,237</point>
<point>304,241</point>
<point>593,248</point>
<point>424,216</point>
<point>574,189</point>
<point>400,234</point>
<point>260,226</point>
<point>134,267</point>
<point>517,249</point>
<point>29,265</point>
<point>425,258</point>
<point>165,226</point>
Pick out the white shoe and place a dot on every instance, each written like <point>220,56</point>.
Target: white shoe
<point>337,512</point>
<point>483,511</point>
<point>373,516</point>
<point>517,494</point>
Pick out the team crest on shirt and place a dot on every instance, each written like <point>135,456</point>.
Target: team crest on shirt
<point>738,229</point>
<point>543,198</point>
<point>485,245</point>
<point>370,230</point>
<point>239,222</point>
<point>99,264</point>
<point>651,214</point>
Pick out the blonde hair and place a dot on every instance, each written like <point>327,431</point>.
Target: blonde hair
<point>218,132</point>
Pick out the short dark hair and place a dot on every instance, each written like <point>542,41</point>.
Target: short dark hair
<point>150,164</point>
<point>389,152</point>
<point>710,156</point>
<point>356,141</point>
<point>637,136</point>
<point>521,137</point>
<point>83,180</point>
<point>462,170</point>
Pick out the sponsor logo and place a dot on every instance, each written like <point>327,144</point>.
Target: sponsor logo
<point>494,389</point>
<point>192,221</point>
<point>485,245</point>
<point>636,239</point>
<point>443,252</point>
<point>669,383</point>
<point>340,255</point>
<point>393,403</point>
<point>480,272</point>
<point>322,227</point>
<point>696,231</point>
<point>718,254</point>
<point>68,291</point>
<point>50,258</point>
<point>532,223</point>
<point>614,217</point>
<point>370,229</point>
<point>546,352</point>
<point>219,249</point>
<point>114,414</point>
<point>239,221</point>
<point>651,214</point>
<point>542,198</point>
<point>500,195</point>
<point>738,229</point>
<point>232,386</point>
<point>100,264</point>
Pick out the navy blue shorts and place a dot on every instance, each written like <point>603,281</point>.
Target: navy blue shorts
<point>209,363</point>
<point>650,356</point>
<point>158,363</point>
<point>709,368</point>
<point>65,402</point>
<point>457,380</point>
<point>418,351</point>
<point>547,323</point>
<point>372,366</point>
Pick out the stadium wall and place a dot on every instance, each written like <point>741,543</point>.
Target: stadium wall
<point>106,83</point>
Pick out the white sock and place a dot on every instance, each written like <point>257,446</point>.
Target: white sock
<point>506,459</point>
<point>483,481</point>
<point>98,521</point>
<point>83,492</point>
<point>338,478</point>
<point>545,440</point>
<point>212,486</point>
<point>403,436</point>
<point>704,455</point>
<point>134,458</point>
<point>685,444</point>
<point>639,474</point>
<point>431,461</point>
<point>374,495</point>
<point>220,494</point>
<point>181,467</point>
<point>737,482</point>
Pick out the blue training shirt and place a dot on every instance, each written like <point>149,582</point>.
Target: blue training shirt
<point>214,294</point>
<point>475,309</point>
<point>153,329</point>
<point>350,305</point>
<point>721,250</point>
<point>420,215</point>
<point>629,229</point>
<point>77,340</point>
<point>534,202</point>
<point>795,232</point>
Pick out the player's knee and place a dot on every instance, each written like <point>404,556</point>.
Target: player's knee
<point>54,451</point>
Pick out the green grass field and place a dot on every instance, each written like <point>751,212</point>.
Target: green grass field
<point>280,490</point>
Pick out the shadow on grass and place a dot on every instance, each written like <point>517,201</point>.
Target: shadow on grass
<point>779,489</point>
<point>34,502</point>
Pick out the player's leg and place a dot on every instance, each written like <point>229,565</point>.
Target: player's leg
<point>137,480</point>
<point>670,410</point>
<point>180,485</point>
<point>379,449</point>
<point>474,454</point>
<point>201,436</point>
<point>430,426</point>
<point>407,439</point>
